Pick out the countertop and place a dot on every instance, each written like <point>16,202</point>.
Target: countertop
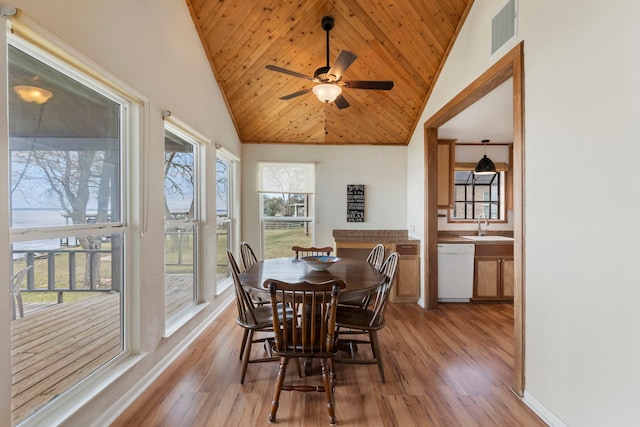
<point>456,237</point>
<point>373,236</point>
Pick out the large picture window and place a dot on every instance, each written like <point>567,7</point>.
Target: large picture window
<point>68,226</point>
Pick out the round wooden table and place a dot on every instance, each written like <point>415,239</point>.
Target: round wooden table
<point>360,277</point>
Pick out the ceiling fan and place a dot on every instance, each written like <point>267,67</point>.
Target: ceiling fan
<point>328,79</point>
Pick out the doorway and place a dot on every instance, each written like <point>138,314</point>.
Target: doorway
<point>509,66</point>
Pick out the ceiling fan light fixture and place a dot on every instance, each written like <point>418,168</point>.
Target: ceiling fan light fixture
<point>485,165</point>
<point>33,94</point>
<point>327,92</point>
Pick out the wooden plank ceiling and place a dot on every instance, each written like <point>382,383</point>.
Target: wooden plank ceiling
<point>404,41</point>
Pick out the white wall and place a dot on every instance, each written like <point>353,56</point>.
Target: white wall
<point>380,169</point>
<point>582,103</point>
<point>153,49</point>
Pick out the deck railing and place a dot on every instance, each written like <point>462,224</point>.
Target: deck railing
<point>52,256</point>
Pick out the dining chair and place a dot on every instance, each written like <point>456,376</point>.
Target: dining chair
<point>376,256</point>
<point>248,259</point>
<point>312,336</point>
<point>15,291</point>
<point>248,256</point>
<point>311,251</point>
<point>253,318</point>
<point>352,321</point>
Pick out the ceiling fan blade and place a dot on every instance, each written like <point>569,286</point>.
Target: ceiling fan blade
<point>343,61</point>
<point>341,102</point>
<point>285,71</point>
<point>369,84</point>
<point>294,94</point>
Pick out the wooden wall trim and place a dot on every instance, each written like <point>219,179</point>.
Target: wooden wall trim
<point>510,65</point>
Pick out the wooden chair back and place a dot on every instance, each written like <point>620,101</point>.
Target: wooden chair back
<point>246,307</point>
<point>382,294</point>
<point>314,332</point>
<point>376,256</point>
<point>301,251</point>
<point>248,256</point>
<point>15,288</point>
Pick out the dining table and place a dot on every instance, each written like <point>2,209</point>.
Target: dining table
<point>360,277</point>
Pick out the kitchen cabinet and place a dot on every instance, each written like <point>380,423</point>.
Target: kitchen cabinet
<point>493,273</point>
<point>358,244</point>
<point>407,283</point>
<point>446,159</point>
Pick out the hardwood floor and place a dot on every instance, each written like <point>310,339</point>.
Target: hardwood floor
<point>451,367</point>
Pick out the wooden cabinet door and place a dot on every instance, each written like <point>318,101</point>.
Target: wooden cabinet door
<point>507,277</point>
<point>446,158</point>
<point>407,284</point>
<point>486,280</point>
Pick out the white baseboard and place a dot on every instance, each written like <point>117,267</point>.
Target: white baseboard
<point>546,415</point>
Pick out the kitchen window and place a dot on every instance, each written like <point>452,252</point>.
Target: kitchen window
<point>476,195</point>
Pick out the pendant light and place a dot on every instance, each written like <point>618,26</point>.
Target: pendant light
<point>485,166</point>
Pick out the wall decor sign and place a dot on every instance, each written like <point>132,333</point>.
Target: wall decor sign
<point>355,203</point>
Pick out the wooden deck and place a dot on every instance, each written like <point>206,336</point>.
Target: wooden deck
<point>55,345</point>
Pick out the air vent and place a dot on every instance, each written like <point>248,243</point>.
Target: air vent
<point>503,26</point>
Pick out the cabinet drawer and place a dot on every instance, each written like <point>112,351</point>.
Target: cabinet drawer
<point>494,250</point>
<point>407,249</point>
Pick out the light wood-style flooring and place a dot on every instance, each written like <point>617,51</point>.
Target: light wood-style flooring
<point>452,367</point>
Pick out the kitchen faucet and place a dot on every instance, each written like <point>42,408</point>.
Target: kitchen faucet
<point>486,223</point>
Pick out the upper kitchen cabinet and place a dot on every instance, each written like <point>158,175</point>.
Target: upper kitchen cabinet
<point>446,159</point>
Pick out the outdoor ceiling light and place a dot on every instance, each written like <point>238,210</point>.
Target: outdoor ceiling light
<point>327,92</point>
<point>36,95</point>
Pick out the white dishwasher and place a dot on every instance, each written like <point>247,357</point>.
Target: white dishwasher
<point>455,272</point>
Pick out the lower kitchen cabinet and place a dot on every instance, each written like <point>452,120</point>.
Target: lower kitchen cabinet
<point>493,273</point>
<point>406,287</point>
<point>407,284</point>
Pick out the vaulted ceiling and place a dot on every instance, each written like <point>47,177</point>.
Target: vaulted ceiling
<point>405,41</point>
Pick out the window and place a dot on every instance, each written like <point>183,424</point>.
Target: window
<point>286,197</point>
<point>224,213</point>
<point>476,195</point>
<point>67,142</point>
<point>181,219</point>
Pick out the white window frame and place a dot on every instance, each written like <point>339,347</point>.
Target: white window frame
<point>234,210</point>
<point>200,223</point>
<point>48,48</point>
<point>269,186</point>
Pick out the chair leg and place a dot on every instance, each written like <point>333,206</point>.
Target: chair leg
<point>282,372</point>
<point>247,354</point>
<point>244,342</point>
<point>13,307</point>
<point>20,307</point>
<point>328,389</point>
<point>375,349</point>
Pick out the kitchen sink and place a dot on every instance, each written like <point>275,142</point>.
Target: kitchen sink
<point>489,238</point>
